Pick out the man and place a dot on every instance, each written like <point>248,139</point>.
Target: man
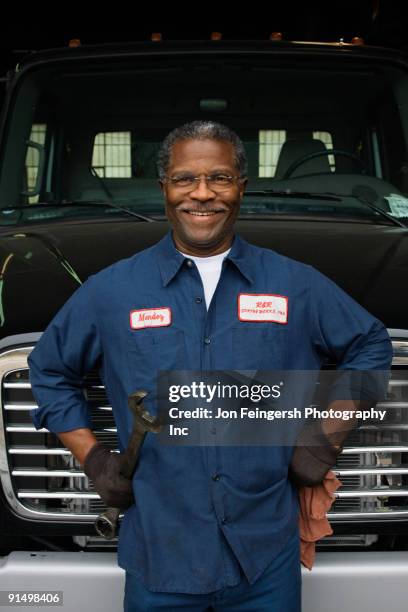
<point>211,527</point>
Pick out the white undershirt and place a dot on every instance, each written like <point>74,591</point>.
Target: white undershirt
<point>210,272</point>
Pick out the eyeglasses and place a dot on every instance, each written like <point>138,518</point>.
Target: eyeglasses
<point>216,182</point>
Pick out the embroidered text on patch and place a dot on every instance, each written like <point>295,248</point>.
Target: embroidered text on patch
<point>150,317</point>
<point>266,307</point>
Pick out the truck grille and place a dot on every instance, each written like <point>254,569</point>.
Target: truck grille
<point>42,480</point>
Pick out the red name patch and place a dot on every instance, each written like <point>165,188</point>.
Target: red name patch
<point>267,307</point>
<point>150,317</point>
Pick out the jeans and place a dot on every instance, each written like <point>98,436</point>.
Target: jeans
<point>277,590</point>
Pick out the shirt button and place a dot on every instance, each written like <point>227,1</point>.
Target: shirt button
<point>198,300</point>
<point>215,476</point>
<point>189,263</point>
<point>207,340</point>
<point>224,520</point>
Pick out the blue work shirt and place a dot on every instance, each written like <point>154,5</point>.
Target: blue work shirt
<point>203,511</point>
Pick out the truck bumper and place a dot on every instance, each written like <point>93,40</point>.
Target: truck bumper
<point>91,582</point>
<point>356,582</point>
<point>366,581</point>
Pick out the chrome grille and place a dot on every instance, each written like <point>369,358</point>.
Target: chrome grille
<point>43,481</point>
<point>40,477</point>
<point>373,468</point>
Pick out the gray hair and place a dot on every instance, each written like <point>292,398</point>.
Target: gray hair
<point>201,130</point>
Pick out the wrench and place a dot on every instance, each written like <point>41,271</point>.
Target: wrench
<point>143,421</point>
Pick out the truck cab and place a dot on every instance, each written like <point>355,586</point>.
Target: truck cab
<point>325,127</point>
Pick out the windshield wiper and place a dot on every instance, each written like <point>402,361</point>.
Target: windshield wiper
<point>290,193</point>
<point>362,195</point>
<point>357,194</point>
<point>84,203</point>
<point>110,197</point>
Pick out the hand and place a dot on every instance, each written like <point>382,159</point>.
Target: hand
<point>103,467</point>
<point>313,457</point>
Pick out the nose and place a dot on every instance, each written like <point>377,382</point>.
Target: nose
<point>201,191</point>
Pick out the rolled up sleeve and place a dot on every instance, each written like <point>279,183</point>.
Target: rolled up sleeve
<point>66,351</point>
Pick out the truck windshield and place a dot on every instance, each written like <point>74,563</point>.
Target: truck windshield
<point>82,137</point>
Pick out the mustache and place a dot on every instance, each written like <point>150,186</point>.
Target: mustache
<point>207,208</point>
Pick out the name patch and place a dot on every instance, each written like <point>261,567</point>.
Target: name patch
<point>263,307</point>
<point>150,317</point>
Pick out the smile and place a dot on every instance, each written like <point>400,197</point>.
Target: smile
<point>209,212</point>
<point>202,214</point>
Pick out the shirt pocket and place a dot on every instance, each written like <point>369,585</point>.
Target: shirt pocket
<point>151,350</point>
<point>260,346</point>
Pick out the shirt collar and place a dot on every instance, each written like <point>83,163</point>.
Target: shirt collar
<point>170,259</point>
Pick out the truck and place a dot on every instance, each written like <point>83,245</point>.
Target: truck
<point>325,127</point>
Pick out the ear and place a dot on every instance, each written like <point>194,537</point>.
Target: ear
<point>243,186</point>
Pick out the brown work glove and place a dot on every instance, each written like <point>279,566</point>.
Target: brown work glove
<point>103,468</point>
<point>313,457</point>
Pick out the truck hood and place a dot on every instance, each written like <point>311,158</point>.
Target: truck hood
<point>42,266</point>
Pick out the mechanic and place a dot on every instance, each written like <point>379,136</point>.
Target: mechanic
<point>211,527</point>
